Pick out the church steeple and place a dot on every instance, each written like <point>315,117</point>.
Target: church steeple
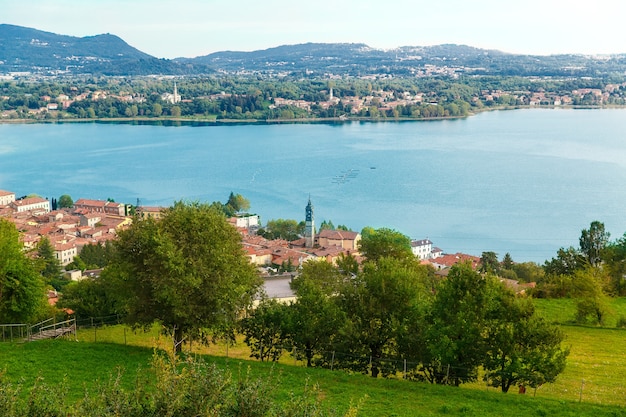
<point>309,226</point>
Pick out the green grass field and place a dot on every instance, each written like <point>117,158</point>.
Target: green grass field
<point>593,383</point>
<point>82,364</point>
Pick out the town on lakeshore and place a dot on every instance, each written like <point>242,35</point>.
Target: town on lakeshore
<point>90,222</point>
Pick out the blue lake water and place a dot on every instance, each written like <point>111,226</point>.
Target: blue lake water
<point>524,181</point>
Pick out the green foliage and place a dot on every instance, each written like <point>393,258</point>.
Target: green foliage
<point>327,225</point>
<point>378,303</point>
<point>593,242</point>
<point>314,317</point>
<point>527,271</point>
<point>49,264</point>
<point>97,255</point>
<point>282,229</point>
<point>615,264</point>
<point>383,242</point>
<point>65,201</point>
<point>236,204</point>
<point>21,285</point>
<point>507,262</point>
<point>457,320</point>
<point>489,263</point>
<point>567,262</point>
<point>476,321</point>
<point>522,348</point>
<point>172,387</point>
<point>88,298</point>
<point>264,330</point>
<point>187,270</point>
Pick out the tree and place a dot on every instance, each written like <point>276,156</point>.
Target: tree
<point>615,258</point>
<point>593,241</point>
<point>188,271</point>
<point>507,262</point>
<point>489,263</point>
<point>378,303</point>
<point>327,225</point>
<point>97,255</point>
<point>566,262</point>
<point>383,242</point>
<point>591,302</point>
<point>65,201</point>
<point>314,317</point>
<point>175,111</point>
<point>157,109</point>
<point>49,264</point>
<point>237,203</point>
<point>456,345</point>
<point>21,285</point>
<point>521,348</point>
<point>282,229</point>
<point>264,330</point>
<point>88,298</point>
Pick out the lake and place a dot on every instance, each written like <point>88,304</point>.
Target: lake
<point>523,181</point>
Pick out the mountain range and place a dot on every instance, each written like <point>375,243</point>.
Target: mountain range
<point>27,50</point>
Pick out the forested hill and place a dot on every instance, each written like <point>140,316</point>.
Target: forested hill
<point>358,59</point>
<point>30,50</point>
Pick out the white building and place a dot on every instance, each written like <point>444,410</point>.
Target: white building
<point>34,204</point>
<point>247,220</point>
<point>422,249</point>
<point>6,198</point>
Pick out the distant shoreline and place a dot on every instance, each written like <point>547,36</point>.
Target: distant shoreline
<point>202,121</point>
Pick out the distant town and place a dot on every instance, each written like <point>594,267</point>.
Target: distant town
<point>96,222</point>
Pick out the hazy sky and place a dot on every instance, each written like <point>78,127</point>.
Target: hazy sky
<point>189,28</point>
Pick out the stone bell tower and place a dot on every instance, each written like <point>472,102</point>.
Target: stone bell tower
<point>309,226</point>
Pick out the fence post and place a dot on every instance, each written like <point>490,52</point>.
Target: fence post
<point>332,361</point>
<point>404,368</point>
<point>124,335</point>
<point>295,360</point>
<point>582,385</point>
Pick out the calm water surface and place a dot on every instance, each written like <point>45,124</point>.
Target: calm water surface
<point>524,182</point>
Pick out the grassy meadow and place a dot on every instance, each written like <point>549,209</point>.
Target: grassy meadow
<point>593,383</point>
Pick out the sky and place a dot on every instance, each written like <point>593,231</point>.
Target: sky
<point>190,28</point>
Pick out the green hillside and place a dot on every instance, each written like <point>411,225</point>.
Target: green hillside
<point>82,364</point>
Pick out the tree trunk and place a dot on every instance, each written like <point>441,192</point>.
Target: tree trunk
<point>178,340</point>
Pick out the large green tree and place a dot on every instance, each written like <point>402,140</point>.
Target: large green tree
<point>264,330</point>
<point>456,324</point>
<point>314,317</point>
<point>521,348</point>
<point>21,285</point>
<point>187,271</point>
<point>378,303</point>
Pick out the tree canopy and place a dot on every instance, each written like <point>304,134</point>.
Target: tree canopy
<point>187,271</point>
<point>21,285</point>
<point>384,242</point>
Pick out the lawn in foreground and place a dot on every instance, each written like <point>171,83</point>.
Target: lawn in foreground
<point>81,364</point>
